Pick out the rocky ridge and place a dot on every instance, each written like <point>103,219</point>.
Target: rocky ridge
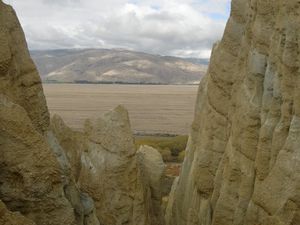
<point>243,157</point>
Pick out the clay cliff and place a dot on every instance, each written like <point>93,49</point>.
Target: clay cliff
<point>19,78</point>
<point>107,166</point>
<point>52,175</point>
<point>33,173</point>
<point>243,156</point>
<point>9,218</point>
<point>152,170</point>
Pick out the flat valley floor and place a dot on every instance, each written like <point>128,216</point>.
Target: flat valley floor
<point>152,108</point>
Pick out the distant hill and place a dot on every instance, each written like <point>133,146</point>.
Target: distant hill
<point>116,66</point>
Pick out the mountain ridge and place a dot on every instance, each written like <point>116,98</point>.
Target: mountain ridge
<point>116,66</point>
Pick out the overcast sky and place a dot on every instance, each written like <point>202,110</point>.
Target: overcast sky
<point>185,28</point>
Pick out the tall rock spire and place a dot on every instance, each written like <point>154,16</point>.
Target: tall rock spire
<point>242,165</point>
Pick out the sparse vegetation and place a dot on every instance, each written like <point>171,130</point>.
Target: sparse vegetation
<point>171,148</point>
<point>181,156</point>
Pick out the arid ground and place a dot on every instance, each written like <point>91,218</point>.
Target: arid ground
<point>152,108</point>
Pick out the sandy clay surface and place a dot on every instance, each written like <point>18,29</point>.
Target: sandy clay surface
<point>152,108</point>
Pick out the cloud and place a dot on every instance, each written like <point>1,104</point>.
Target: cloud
<point>185,28</point>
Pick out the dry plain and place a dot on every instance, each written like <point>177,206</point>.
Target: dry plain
<point>152,108</point>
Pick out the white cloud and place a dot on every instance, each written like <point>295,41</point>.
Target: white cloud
<point>186,28</point>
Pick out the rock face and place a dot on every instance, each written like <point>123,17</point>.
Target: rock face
<point>243,156</point>
<point>105,165</point>
<point>152,169</point>
<point>9,218</point>
<point>19,79</point>
<point>35,177</point>
<point>30,176</point>
<point>170,203</point>
<point>109,172</point>
<point>31,181</point>
<point>52,175</point>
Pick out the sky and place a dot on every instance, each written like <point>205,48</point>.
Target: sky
<point>184,28</point>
